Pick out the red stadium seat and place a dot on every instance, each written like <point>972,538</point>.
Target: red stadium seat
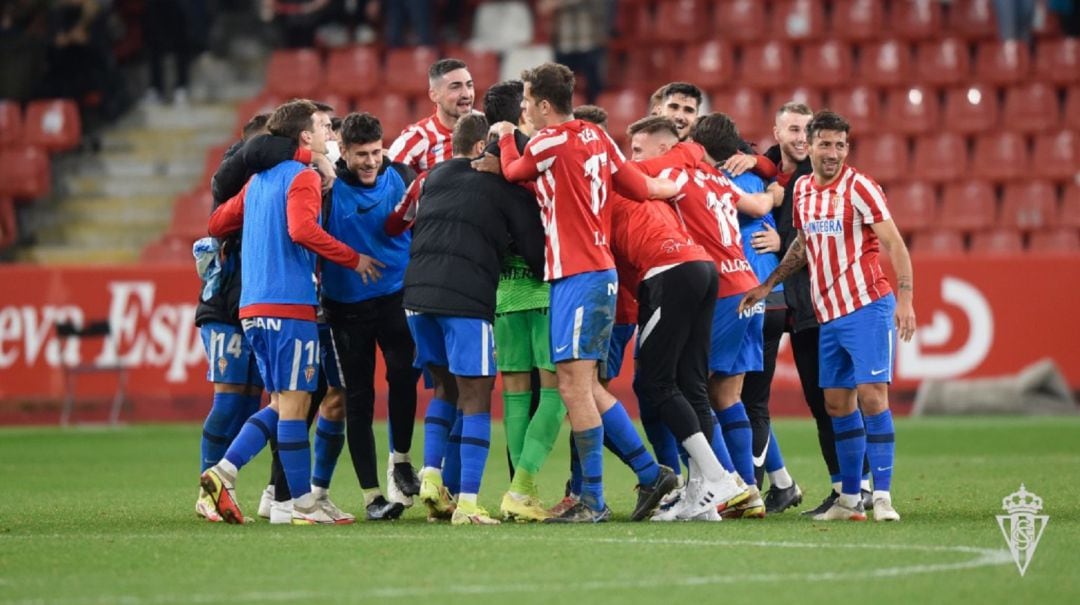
<point>294,73</point>
<point>997,241</point>
<point>911,111</point>
<point>972,19</point>
<point>768,65</point>
<point>798,20</point>
<point>407,70</point>
<point>913,205</point>
<point>24,173</point>
<point>857,20</point>
<point>746,108</point>
<point>1058,61</point>
<point>811,97</point>
<point>937,242</point>
<point>353,71</point>
<point>679,21</point>
<point>11,123</point>
<point>943,62</point>
<point>1002,156</point>
<point>624,107</point>
<point>53,125</point>
<point>740,21</point>
<point>940,157</point>
<point>710,65</point>
<point>1072,108</point>
<point>1070,206</point>
<point>169,250</point>
<point>1001,64</point>
<point>483,66</point>
<point>393,112</point>
<point>826,64</point>
<point>9,226</point>
<point>884,158</point>
<point>884,64</point>
<point>1031,108</point>
<point>968,206</point>
<point>1056,156</point>
<point>916,19</point>
<point>648,67</point>
<point>342,105</point>
<point>971,109</point>
<point>191,212</point>
<point>1062,239</point>
<point>263,103</point>
<point>1029,205</point>
<point>860,106</point>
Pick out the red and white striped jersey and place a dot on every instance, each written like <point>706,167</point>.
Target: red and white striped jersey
<point>841,247</point>
<point>422,145</point>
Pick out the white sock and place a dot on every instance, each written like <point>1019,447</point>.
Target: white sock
<point>305,502</point>
<point>882,494</point>
<point>838,487</point>
<point>850,500</point>
<point>702,455</point>
<point>470,498</point>
<point>228,468</point>
<point>864,485</point>
<point>431,469</point>
<point>398,457</point>
<point>780,479</point>
<point>319,491</point>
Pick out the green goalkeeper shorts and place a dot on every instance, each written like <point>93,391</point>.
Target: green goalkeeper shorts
<point>523,341</point>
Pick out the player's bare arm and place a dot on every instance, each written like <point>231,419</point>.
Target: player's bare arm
<point>894,246</point>
<point>793,260</point>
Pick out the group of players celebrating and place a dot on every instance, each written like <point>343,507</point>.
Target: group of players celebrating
<point>526,231</point>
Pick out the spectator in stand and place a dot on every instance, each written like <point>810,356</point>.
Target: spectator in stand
<point>296,20</point>
<point>23,45</point>
<point>1015,19</point>
<point>171,27</point>
<point>1068,12</point>
<point>413,13</point>
<point>580,34</point>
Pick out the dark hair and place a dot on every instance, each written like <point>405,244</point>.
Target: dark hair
<point>653,125</point>
<point>502,102</point>
<point>795,107</point>
<point>681,88</point>
<point>335,123</point>
<point>468,131</point>
<point>360,128</point>
<point>551,82</point>
<point>442,67</point>
<point>291,118</point>
<point>255,125</point>
<point>591,113</point>
<point>717,133</point>
<point>826,120</point>
<point>323,107</point>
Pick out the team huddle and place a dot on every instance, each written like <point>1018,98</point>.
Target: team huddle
<point>523,241</point>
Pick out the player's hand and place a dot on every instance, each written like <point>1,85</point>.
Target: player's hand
<point>325,169</point>
<point>905,319</point>
<point>752,297</point>
<point>740,163</point>
<point>487,163</point>
<point>504,128</point>
<point>767,240</point>
<point>368,268</point>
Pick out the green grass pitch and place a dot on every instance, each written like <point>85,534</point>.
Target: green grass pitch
<point>97,516</point>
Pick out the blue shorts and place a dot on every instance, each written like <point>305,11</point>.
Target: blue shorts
<point>737,340</point>
<point>858,348</point>
<point>331,366</point>
<point>582,315</point>
<point>620,337</point>
<point>287,351</point>
<point>229,355</point>
<point>466,345</point>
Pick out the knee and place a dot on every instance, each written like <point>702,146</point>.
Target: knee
<point>333,405</point>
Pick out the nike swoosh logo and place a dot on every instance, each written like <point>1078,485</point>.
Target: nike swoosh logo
<point>876,372</point>
<point>760,461</point>
<point>561,349</point>
<point>882,470</point>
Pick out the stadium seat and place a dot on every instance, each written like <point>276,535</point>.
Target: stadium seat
<point>884,158</point>
<point>53,125</point>
<point>352,71</point>
<point>1058,61</point>
<point>1056,156</point>
<point>294,73</point>
<point>746,108</point>
<point>169,250</point>
<point>740,21</point>
<point>1070,206</point>
<point>798,20</point>
<point>1029,205</point>
<point>9,226</point>
<point>1031,108</point>
<point>648,67</point>
<point>1062,239</point>
<point>857,20</point>
<point>943,62</point>
<point>24,173</point>
<point>937,242</point>
<point>1001,64</point>
<point>191,212</point>
<point>407,70</point>
<point>710,65</point>
<point>1072,108</point>
<point>913,205</point>
<point>262,103</point>
<point>940,157</point>
<point>483,66</point>
<point>1001,156</point>
<point>393,112</point>
<point>624,107</point>
<point>971,109</point>
<point>911,111</point>
<point>997,241</point>
<point>885,64</point>
<point>826,64</point>
<point>812,97</point>
<point>915,19</point>
<point>972,19</point>
<point>968,206</point>
<point>768,65</point>
<point>11,123</point>
<point>678,21</point>
<point>859,106</point>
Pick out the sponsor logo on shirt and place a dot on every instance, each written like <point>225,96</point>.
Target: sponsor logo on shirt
<point>831,226</point>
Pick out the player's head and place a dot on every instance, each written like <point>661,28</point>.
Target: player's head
<point>717,133</point>
<point>591,113</point>
<point>652,137</point>
<point>549,94</point>
<point>301,120</point>
<point>362,142</point>
<point>255,126</point>
<point>789,130</point>
<point>680,101</point>
<point>827,135</point>
<point>655,99</point>
<point>502,102</point>
<point>450,88</point>
<point>470,136</point>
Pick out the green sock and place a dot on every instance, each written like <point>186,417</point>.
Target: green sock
<point>524,483</point>
<point>543,431</point>
<point>516,421</point>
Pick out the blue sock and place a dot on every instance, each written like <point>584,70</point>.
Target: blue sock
<point>329,439</point>
<point>719,446</point>
<point>216,435</point>
<point>294,450</point>
<point>739,437</point>
<point>881,448</point>
<point>253,436</point>
<point>575,468</point>
<point>475,443</point>
<point>620,429</point>
<point>850,449</point>
<point>774,460</point>
<point>591,451</point>
<point>660,438</point>
<point>452,462</point>
<point>438,421</point>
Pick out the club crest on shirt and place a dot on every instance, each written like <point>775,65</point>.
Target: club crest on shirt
<point>222,364</point>
<point>309,373</point>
